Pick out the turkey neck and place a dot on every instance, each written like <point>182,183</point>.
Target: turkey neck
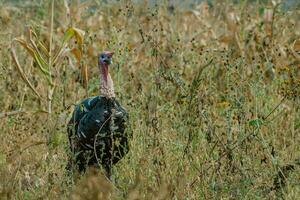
<point>106,83</point>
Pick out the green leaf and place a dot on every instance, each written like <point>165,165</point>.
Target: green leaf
<point>256,122</point>
<point>73,32</point>
<point>56,139</point>
<point>297,126</point>
<point>82,107</point>
<point>2,159</point>
<point>261,11</point>
<point>35,54</point>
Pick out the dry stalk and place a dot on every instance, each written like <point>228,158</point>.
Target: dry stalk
<point>21,72</point>
<point>11,113</point>
<point>50,88</point>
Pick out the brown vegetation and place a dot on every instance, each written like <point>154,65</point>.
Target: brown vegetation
<point>212,92</point>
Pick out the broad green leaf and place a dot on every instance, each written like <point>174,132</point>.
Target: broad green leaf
<point>297,126</point>
<point>73,32</point>
<point>70,32</point>
<point>261,11</point>
<point>56,139</point>
<point>37,57</point>
<point>256,122</point>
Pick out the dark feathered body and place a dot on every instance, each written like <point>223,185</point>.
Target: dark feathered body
<point>96,133</point>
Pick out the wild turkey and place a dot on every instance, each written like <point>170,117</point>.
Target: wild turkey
<point>96,130</point>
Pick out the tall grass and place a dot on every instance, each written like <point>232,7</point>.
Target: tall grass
<point>212,93</point>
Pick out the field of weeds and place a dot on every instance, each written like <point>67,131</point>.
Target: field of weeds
<point>212,91</point>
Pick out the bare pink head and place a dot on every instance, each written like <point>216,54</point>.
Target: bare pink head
<point>106,84</point>
<point>105,58</point>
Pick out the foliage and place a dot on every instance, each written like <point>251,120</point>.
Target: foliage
<point>212,92</point>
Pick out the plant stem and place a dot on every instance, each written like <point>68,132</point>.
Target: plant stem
<point>50,89</point>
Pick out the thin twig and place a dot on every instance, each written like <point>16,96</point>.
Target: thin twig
<point>273,18</point>
<point>95,138</point>
<point>11,113</point>
<point>31,145</point>
<point>15,152</point>
<point>275,108</point>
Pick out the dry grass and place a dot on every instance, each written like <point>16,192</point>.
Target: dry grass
<point>212,93</point>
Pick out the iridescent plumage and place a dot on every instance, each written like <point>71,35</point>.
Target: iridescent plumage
<point>96,130</point>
